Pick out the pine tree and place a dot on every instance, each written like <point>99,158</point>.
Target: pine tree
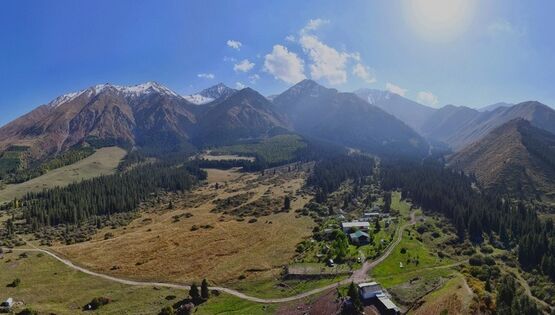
<point>377,226</point>
<point>355,297</point>
<point>194,294</point>
<point>204,292</point>
<point>287,203</point>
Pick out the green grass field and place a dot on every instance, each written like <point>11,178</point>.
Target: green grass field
<point>228,304</point>
<point>274,150</point>
<point>286,288</point>
<point>48,286</point>
<point>103,161</point>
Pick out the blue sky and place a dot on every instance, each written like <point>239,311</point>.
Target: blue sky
<point>469,52</point>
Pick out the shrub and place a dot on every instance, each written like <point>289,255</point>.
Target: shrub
<point>476,260</point>
<point>28,311</point>
<point>15,283</point>
<point>486,249</point>
<point>96,303</point>
<point>167,310</point>
<point>488,260</point>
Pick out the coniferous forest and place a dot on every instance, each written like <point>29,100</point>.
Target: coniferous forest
<point>106,195</point>
<point>475,213</point>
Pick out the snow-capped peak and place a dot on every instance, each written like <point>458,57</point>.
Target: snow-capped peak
<point>128,91</point>
<point>145,88</point>
<point>63,99</point>
<point>210,94</point>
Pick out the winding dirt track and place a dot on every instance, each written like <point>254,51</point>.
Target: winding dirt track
<point>358,276</point>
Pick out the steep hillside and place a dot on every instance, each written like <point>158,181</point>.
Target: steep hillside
<point>344,118</point>
<point>141,114</point>
<point>411,113</point>
<point>245,114</point>
<point>461,126</point>
<point>515,157</point>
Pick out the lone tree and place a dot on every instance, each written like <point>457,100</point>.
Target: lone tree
<point>194,294</point>
<point>287,203</point>
<point>204,293</point>
<point>355,298</point>
<point>377,227</point>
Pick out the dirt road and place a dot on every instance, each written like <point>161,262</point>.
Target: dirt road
<point>358,276</point>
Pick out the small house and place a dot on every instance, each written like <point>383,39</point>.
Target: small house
<point>386,306</point>
<point>369,290</point>
<point>359,238</point>
<point>348,227</point>
<point>370,215</point>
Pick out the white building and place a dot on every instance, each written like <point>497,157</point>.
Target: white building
<point>353,225</point>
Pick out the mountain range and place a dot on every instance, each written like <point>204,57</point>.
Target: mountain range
<point>504,145</point>
<point>157,119</point>
<point>347,120</point>
<point>458,126</point>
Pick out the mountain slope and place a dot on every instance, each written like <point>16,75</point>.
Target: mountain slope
<point>410,112</point>
<point>120,114</point>
<point>344,118</point>
<point>461,126</point>
<point>515,157</point>
<point>244,115</point>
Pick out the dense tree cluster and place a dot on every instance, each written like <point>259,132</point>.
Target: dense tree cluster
<point>66,158</point>
<point>475,213</point>
<point>329,173</point>
<point>511,302</point>
<point>106,195</point>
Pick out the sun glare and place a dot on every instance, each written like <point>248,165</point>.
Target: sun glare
<point>439,19</point>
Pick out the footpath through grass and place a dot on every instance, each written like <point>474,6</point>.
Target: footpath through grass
<point>48,286</point>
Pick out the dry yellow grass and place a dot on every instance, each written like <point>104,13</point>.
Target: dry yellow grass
<point>156,247</point>
<point>215,175</point>
<point>455,297</point>
<point>104,161</point>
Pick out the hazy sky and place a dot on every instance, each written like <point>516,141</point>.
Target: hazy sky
<point>462,52</point>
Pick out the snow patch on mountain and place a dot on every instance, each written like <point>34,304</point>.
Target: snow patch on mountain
<point>134,91</point>
<point>198,99</point>
<point>210,94</point>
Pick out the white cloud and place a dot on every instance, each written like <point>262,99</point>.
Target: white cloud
<point>235,44</point>
<point>253,78</point>
<point>327,62</point>
<point>395,89</point>
<point>290,38</point>
<point>504,27</point>
<point>208,76</point>
<point>284,65</point>
<point>313,25</point>
<point>364,73</point>
<point>239,85</point>
<point>427,98</point>
<point>245,66</point>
